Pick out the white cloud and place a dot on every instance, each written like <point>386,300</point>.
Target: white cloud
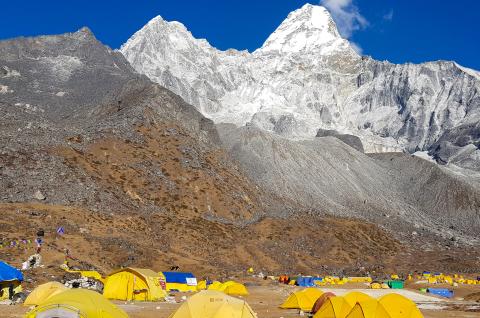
<point>346,16</point>
<point>388,16</point>
<point>356,47</point>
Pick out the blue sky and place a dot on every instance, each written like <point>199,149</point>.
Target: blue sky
<point>395,30</point>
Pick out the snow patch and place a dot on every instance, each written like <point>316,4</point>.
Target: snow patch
<point>424,155</point>
<point>469,71</point>
<point>5,90</point>
<point>7,72</point>
<point>431,306</point>
<point>60,94</point>
<point>30,108</point>
<point>63,66</point>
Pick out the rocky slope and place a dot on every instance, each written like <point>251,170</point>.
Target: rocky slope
<point>402,193</point>
<point>306,77</point>
<point>81,127</point>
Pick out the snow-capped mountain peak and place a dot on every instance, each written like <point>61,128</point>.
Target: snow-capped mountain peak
<point>307,77</point>
<point>309,28</point>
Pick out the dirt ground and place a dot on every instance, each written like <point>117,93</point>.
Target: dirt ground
<point>265,298</point>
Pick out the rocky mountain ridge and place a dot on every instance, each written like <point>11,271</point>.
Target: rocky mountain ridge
<point>306,77</point>
<point>137,177</point>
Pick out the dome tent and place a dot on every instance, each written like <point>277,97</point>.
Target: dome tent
<point>213,304</point>
<point>43,292</point>
<point>234,288</point>
<point>77,303</point>
<point>134,284</point>
<point>303,299</point>
<point>355,296</point>
<point>397,305</point>
<point>334,307</point>
<point>388,306</point>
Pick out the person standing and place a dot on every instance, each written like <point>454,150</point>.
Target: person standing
<point>11,291</point>
<point>39,240</point>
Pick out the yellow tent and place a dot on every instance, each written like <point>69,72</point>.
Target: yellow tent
<point>234,288</point>
<point>354,297</point>
<point>362,279</point>
<point>92,274</point>
<point>368,309</point>
<point>303,299</point>
<point>77,303</point>
<point>215,286</point>
<point>213,304</point>
<point>134,284</point>
<point>334,307</point>
<point>5,286</point>
<point>43,292</point>
<point>395,307</point>
<point>202,285</point>
<point>88,274</point>
<point>398,306</point>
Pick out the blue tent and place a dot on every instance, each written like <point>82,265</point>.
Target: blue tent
<point>9,273</point>
<point>177,277</point>
<point>305,281</point>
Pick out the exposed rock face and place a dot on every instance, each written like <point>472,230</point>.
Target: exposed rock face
<point>307,77</point>
<point>39,195</point>
<point>459,146</point>
<point>351,140</point>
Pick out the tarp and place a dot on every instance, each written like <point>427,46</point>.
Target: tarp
<point>9,273</point>
<point>177,277</point>
<point>77,303</point>
<point>214,304</point>
<point>184,282</point>
<point>134,284</point>
<point>43,292</point>
<point>441,292</point>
